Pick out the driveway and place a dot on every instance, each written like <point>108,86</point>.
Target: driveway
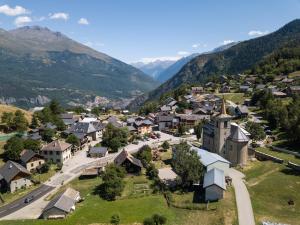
<point>243,201</point>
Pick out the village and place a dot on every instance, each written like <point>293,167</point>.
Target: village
<point>195,153</point>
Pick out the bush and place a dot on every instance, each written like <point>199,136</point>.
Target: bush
<point>115,219</point>
<point>156,219</point>
<point>165,145</point>
<point>145,155</point>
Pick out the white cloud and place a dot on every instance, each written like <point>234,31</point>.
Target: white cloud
<point>257,33</point>
<point>59,16</point>
<point>199,45</point>
<point>162,58</point>
<point>83,21</point>
<point>18,10</point>
<point>226,42</point>
<point>183,53</point>
<point>22,20</point>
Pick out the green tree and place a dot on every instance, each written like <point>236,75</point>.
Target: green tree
<point>151,171</point>
<point>115,219</point>
<point>114,137</point>
<point>165,145</point>
<point>148,107</point>
<point>20,122</point>
<point>73,140</point>
<point>13,148</point>
<point>33,145</point>
<point>113,183</point>
<point>55,107</point>
<point>198,129</point>
<point>34,122</point>
<point>256,131</point>
<point>48,134</point>
<point>181,129</point>
<point>159,219</point>
<point>8,119</point>
<point>145,154</point>
<point>148,221</point>
<point>186,164</point>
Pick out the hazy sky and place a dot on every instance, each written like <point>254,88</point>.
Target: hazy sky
<point>132,30</point>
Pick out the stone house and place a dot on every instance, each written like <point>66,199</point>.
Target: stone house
<point>14,176</point>
<point>57,152</point>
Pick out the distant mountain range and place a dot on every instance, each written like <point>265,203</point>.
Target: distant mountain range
<point>240,57</point>
<point>38,64</point>
<point>154,68</point>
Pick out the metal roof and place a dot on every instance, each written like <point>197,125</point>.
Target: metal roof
<point>208,158</point>
<point>11,169</point>
<point>214,177</point>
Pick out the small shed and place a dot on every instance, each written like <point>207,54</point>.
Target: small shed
<point>97,152</point>
<point>214,184</point>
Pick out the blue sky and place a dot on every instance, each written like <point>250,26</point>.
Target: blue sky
<point>131,30</point>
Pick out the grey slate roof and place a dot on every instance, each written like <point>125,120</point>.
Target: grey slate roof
<point>83,128</point>
<point>10,169</point>
<point>64,201</point>
<point>27,155</point>
<point>125,155</point>
<point>98,150</point>
<point>208,158</point>
<point>214,177</point>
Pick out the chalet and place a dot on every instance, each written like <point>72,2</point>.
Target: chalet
<point>131,164</point>
<point>214,184</point>
<point>97,152</point>
<point>31,160</point>
<point>69,119</point>
<point>143,126</point>
<point>83,131</point>
<point>14,176</point>
<point>34,134</point>
<point>57,152</point>
<point>165,121</point>
<point>61,205</point>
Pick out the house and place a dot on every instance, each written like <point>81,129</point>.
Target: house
<point>61,205</point>
<point>212,160</point>
<point>167,176</point>
<point>97,152</point>
<point>225,89</point>
<point>214,184</point>
<point>131,164</point>
<point>14,176</point>
<point>242,111</point>
<point>190,121</point>
<point>293,90</point>
<point>226,139</point>
<point>279,94</point>
<point>197,90</point>
<point>287,80</point>
<point>165,121</point>
<point>31,160</point>
<point>85,132</point>
<point>244,88</point>
<point>143,126</point>
<point>165,108</point>
<point>260,86</point>
<point>69,119</point>
<point>34,134</point>
<point>57,152</point>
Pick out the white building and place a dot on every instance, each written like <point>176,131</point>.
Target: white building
<point>57,152</point>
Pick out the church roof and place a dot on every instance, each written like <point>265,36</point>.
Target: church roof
<point>237,134</point>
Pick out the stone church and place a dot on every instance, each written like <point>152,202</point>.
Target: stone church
<point>225,138</point>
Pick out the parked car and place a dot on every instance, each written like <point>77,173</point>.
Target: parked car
<point>29,199</point>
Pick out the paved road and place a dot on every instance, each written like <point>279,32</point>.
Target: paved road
<point>71,170</point>
<point>243,201</point>
<point>20,203</point>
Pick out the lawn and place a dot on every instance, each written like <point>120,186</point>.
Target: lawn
<point>132,207</point>
<point>271,186</point>
<point>238,98</point>
<point>286,157</point>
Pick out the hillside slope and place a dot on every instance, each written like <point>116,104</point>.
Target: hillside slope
<point>38,64</point>
<point>237,59</point>
<point>10,108</point>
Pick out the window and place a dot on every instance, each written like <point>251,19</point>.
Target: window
<point>57,153</point>
<point>45,152</point>
<point>31,164</point>
<point>40,162</point>
<point>58,160</point>
<point>225,124</point>
<point>50,153</point>
<point>217,124</point>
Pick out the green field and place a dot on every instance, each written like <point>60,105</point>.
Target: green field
<point>271,186</point>
<point>135,204</point>
<point>238,98</point>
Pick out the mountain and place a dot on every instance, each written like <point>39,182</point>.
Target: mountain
<point>174,68</point>
<point>154,68</point>
<point>239,58</point>
<point>38,64</point>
